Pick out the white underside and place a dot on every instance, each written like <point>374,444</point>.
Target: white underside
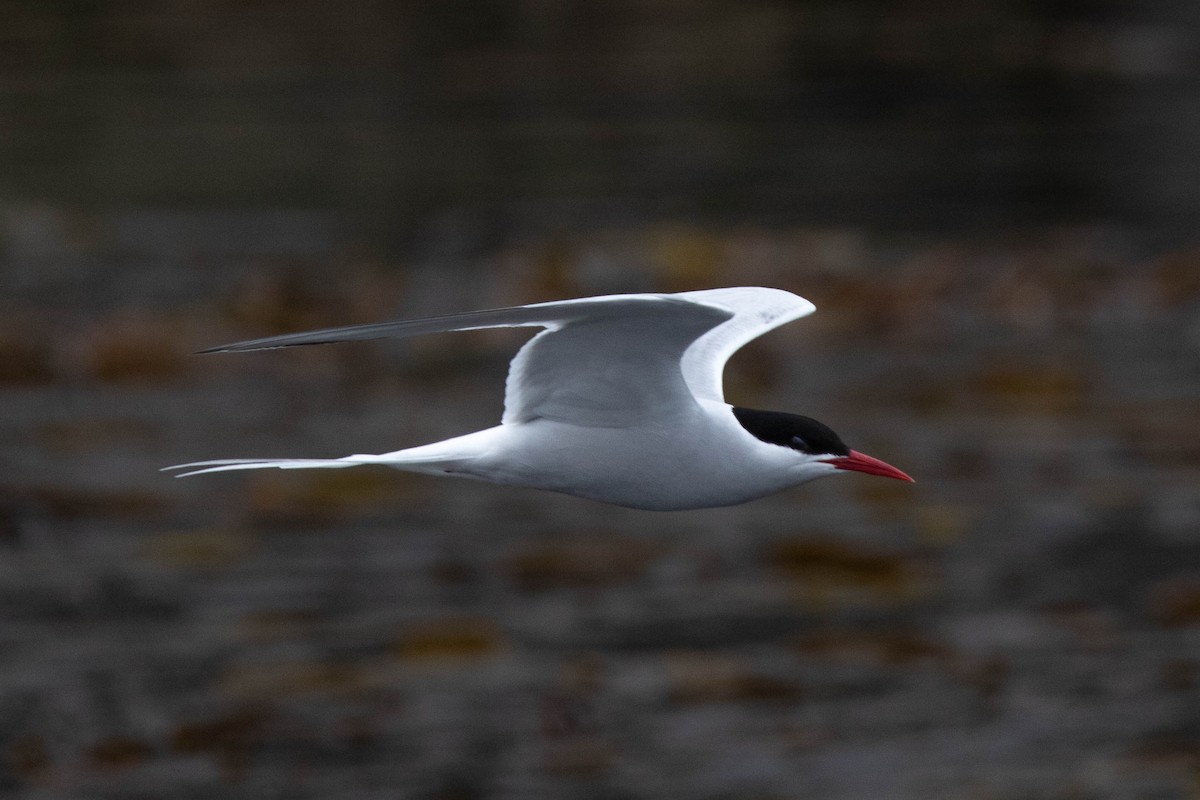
<point>701,461</point>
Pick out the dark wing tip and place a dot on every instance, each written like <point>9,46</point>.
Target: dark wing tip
<point>245,347</point>
<point>227,348</point>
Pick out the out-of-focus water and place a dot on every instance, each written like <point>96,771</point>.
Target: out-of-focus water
<point>992,205</point>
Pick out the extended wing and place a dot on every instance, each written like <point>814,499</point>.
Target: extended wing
<point>536,315</point>
<point>603,361</point>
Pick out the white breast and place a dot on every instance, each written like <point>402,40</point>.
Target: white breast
<point>700,462</point>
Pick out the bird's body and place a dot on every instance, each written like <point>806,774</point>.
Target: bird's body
<point>618,400</point>
<point>646,466</point>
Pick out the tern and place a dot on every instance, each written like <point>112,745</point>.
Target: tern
<point>619,400</point>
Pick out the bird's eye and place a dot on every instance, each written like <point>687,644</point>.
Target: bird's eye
<point>799,443</point>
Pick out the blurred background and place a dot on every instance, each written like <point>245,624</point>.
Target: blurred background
<point>993,205</point>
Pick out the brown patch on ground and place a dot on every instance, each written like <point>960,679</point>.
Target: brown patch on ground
<point>279,625</point>
<point>134,347</point>
<point>1035,389</point>
<point>454,639</point>
<point>28,757</point>
<point>287,497</point>
<point>887,499</point>
<point>230,739</point>
<point>888,647</point>
<point>119,752</point>
<point>264,681</point>
<point>590,561</point>
<point>66,502</point>
<point>702,678</point>
<point>199,549</point>
<point>1176,603</point>
<point>827,571</point>
<point>26,356</point>
<point>585,757</point>
<point>69,437</point>
<point>942,524</point>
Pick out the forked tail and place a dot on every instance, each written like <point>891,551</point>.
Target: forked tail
<point>230,464</point>
<point>450,457</point>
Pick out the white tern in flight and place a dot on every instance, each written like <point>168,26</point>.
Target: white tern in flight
<point>619,399</point>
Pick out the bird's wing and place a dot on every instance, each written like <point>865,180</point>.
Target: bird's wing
<point>536,315</point>
<point>603,361</point>
<point>754,311</point>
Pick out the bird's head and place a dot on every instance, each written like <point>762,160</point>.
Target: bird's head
<point>820,450</point>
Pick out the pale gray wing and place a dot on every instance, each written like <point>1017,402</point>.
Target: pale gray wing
<point>537,315</point>
<point>629,362</point>
<point>619,366</point>
<point>603,361</point>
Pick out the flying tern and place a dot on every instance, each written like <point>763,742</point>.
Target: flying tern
<point>619,400</point>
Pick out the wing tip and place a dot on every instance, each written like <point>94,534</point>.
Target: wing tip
<point>251,345</point>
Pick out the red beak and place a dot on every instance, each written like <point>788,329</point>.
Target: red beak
<point>860,462</point>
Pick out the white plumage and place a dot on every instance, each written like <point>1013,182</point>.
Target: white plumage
<point>619,399</point>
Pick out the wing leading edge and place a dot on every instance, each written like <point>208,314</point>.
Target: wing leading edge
<point>603,361</point>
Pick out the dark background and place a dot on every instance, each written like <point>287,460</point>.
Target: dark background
<point>992,204</point>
